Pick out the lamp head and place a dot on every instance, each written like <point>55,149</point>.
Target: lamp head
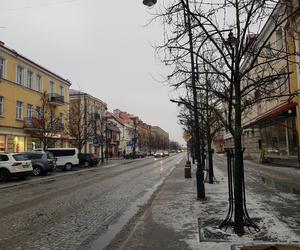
<point>149,3</point>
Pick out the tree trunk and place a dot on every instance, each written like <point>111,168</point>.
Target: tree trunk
<point>238,186</point>
<point>238,165</point>
<point>210,163</point>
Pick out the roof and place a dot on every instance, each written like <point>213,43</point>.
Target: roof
<point>16,54</point>
<point>74,93</point>
<point>112,116</point>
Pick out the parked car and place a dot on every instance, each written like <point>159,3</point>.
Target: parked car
<point>87,159</point>
<point>67,158</point>
<point>158,154</point>
<point>166,153</point>
<point>140,154</point>
<point>42,162</point>
<point>14,164</point>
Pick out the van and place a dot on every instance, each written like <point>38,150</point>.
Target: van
<point>66,157</point>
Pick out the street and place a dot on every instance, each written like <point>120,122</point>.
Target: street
<point>84,210</point>
<point>177,220</point>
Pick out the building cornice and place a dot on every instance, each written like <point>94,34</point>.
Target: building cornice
<point>33,64</point>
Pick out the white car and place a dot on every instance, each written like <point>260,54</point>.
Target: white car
<point>14,164</point>
<point>158,154</point>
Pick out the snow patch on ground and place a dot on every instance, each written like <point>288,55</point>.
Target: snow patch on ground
<point>181,214</point>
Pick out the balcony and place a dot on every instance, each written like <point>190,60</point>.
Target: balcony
<point>32,124</point>
<point>55,99</point>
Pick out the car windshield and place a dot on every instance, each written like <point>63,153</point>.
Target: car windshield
<point>20,157</point>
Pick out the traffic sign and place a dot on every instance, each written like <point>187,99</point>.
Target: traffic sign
<point>187,137</point>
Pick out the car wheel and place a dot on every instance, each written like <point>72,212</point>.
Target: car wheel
<point>68,167</point>
<point>86,164</point>
<point>4,175</point>
<point>37,171</point>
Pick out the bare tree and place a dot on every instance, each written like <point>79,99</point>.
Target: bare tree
<point>47,125</point>
<point>233,47</point>
<point>83,123</point>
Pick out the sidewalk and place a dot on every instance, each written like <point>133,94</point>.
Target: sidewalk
<point>175,220</point>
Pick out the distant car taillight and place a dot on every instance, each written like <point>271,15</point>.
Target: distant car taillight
<point>16,164</point>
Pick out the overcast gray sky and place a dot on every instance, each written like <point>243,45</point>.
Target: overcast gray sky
<point>101,46</point>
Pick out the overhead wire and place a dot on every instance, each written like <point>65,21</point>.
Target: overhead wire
<point>38,5</point>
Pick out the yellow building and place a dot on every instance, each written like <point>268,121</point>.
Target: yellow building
<point>293,38</point>
<point>23,84</point>
<point>271,125</point>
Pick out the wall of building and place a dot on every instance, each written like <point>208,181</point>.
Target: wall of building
<point>11,127</point>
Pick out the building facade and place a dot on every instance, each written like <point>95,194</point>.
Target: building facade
<point>159,139</point>
<point>27,91</point>
<point>270,127</point>
<point>87,122</point>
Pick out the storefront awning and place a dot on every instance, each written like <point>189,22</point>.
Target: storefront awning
<point>274,113</point>
<point>53,137</point>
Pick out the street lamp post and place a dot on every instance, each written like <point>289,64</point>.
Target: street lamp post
<point>199,171</point>
<point>149,3</point>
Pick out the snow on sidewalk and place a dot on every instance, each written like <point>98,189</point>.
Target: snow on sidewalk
<point>171,222</point>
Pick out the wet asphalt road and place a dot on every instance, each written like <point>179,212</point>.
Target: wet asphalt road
<point>84,210</point>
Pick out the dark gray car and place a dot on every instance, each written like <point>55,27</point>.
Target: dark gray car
<point>42,162</point>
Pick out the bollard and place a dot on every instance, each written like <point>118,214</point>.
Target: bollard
<point>188,170</point>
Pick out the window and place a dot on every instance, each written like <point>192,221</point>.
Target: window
<point>20,75</point>
<point>29,79</point>
<point>3,158</point>
<point>1,105</point>
<point>62,152</point>
<point>61,120</point>
<point>20,157</point>
<point>52,87</point>
<point>38,80</point>
<point>19,144</point>
<point>2,143</point>
<point>19,108</point>
<point>52,119</point>
<point>34,156</point>
<point>279,39</point>
<point>62,91</point>
<point>38,111</point>
<point>2,67</point>
<point>29,111</point>
<point>268,50</point>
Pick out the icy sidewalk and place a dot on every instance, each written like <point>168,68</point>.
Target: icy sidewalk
<point>176,220</point>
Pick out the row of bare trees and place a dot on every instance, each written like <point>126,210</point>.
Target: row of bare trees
<point>221,55</point>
